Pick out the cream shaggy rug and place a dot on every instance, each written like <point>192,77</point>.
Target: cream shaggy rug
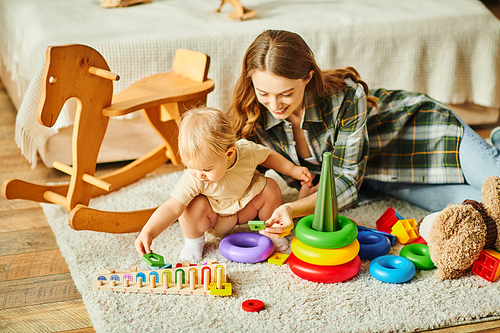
<point>362,304</point>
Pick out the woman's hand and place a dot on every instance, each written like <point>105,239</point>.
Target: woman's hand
<point>143,243</point>
<point>280,220</point>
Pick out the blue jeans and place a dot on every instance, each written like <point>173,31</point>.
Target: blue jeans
<point>478,161</point>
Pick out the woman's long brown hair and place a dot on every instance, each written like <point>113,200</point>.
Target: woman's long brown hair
<point>284,54</point>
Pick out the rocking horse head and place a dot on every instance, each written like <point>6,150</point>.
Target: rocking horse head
<point>74,70</point>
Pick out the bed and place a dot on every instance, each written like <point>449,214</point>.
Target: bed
<point>449,49</point>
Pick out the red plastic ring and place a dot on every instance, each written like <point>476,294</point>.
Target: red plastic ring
<point>252,305</point>
<point>324,274</point>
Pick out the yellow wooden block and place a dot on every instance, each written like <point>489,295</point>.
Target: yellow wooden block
<point>286,231</point>
<point>405,230</point>
<point>278,258</point>
<point>225,291</point>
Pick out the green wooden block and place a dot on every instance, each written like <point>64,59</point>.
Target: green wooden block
<point>153,259</point>
<point>256,225</point>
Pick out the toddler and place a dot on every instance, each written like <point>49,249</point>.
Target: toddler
<point>221,186</point>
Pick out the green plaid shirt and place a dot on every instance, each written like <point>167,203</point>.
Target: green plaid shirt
<point>393,143</point>
<point>413,139</point>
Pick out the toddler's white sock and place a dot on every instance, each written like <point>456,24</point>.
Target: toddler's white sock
<point>280,244</point>
<point>193,249</point>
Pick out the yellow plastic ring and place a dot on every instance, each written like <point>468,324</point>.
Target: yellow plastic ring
<point>325,257</point>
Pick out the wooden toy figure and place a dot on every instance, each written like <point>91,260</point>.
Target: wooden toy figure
<point>240,13</point>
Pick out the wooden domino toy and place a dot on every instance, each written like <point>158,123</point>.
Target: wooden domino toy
<point>207,279</point>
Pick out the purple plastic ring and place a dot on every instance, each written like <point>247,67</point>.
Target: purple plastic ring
<point>246,247</point>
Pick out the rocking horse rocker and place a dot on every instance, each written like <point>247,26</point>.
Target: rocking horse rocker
<point>79,71</point>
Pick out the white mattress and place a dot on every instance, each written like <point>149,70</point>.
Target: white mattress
<point>448,49</point>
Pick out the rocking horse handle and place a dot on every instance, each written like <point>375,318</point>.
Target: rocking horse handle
<point>104,73</point>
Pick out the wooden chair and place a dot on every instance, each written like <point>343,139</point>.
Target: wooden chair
<point>79,71</point>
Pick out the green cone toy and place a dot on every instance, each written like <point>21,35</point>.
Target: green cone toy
<point>326,216</point>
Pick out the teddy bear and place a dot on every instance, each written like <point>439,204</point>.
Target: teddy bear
<point>457,234</point>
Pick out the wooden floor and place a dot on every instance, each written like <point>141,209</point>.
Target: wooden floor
<point>37,293</point>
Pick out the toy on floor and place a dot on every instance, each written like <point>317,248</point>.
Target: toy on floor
<point>239,13</point>
<point>208,279</point>
<point>459,233</point>
<point>487,265</point>
<point>392,269</point>
<point>392,239</point>
<point>81,72</point>
<point>388,219</point>
<point>372,245</point>
<point>246,247</point>
<point>278,258</point>
<point>325,248</point>
<point>419,255</point>
<point>252,305</point>
<point>392,222</point>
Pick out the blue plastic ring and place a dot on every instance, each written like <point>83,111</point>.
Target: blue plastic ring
<point>372,245</point>
<point>392,269</point>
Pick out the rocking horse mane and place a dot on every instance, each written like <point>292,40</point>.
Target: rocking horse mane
<point>63,79</point>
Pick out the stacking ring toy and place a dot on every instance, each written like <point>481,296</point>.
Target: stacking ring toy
<point>372,245</point>
<point>246,247</point>
<point>418,254</point>
<point>324,257</point>
<point>324,274</point>
<point>326,240</point>
<point>392,269</point>
<point>252,305</point>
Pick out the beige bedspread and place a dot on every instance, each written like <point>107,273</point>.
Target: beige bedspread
<point>448,48</point>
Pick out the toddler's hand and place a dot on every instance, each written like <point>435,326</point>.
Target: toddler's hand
<point>143,244</point>
<point>303,174</point>
<point>278,222</point>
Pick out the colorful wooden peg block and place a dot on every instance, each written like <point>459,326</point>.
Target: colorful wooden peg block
<point>256,225</point>
<point>487,265</point>
<point>226,289</point>
<point>153,259</point>
<point>389,218</point>
<point>405,230</point>
<point>278,258</point>
<point>162,267</point>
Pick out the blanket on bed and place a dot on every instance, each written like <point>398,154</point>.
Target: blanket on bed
<point>448,49</point>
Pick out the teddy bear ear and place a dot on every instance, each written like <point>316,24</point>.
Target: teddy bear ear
<point>491,202</point>
<point>455,240</point>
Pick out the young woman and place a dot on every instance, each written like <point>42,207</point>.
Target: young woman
<point>220,187</point>
<point>400,143</point>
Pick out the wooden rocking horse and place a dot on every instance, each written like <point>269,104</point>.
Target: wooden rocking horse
<point>80,71</point>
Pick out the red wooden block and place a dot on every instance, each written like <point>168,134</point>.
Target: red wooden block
<point>387,220</point>
<point>487,265</point>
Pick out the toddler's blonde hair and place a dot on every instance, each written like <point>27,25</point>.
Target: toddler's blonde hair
<point>203,133</point>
